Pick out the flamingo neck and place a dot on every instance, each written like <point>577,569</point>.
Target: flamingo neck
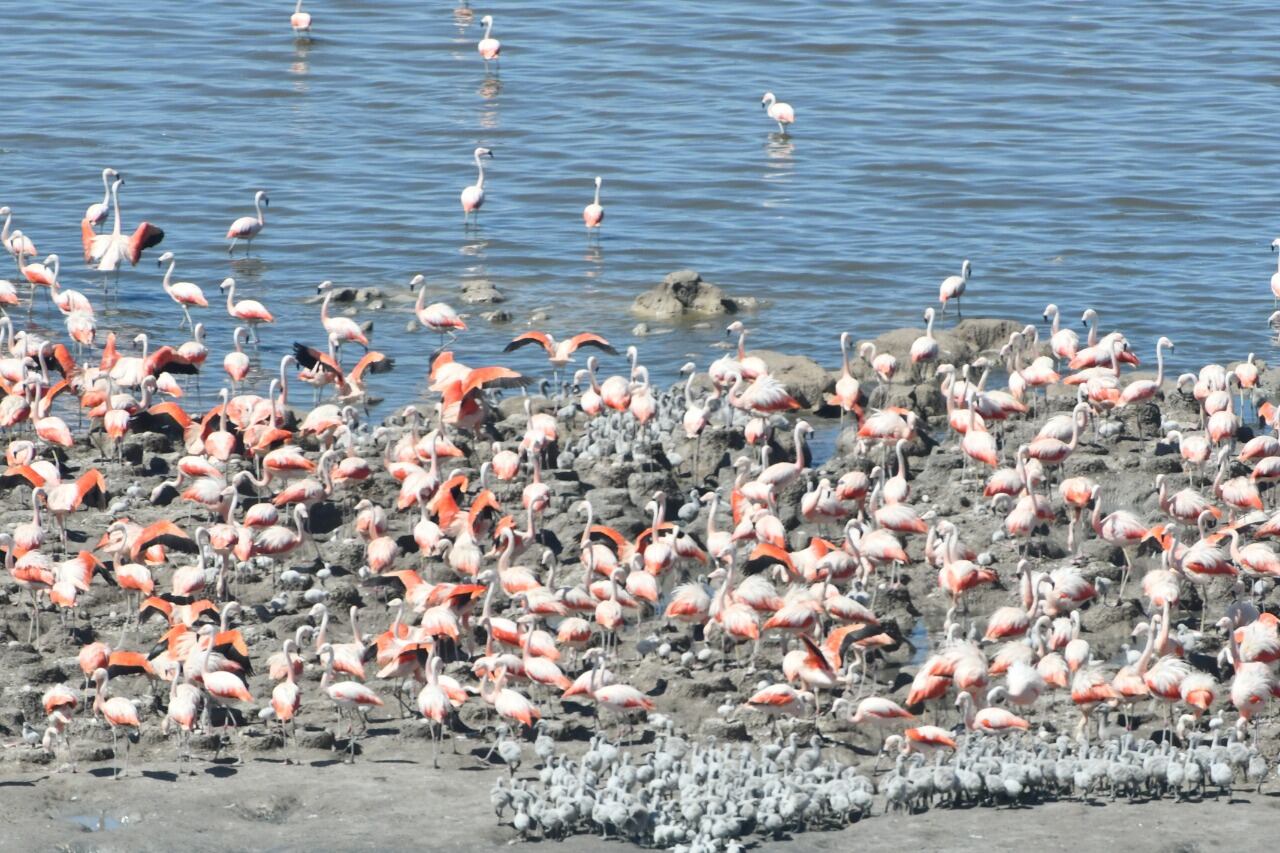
<point>597,200</point>
<point>479,169</point>
<point>257,206</point>
<point>115,204</point>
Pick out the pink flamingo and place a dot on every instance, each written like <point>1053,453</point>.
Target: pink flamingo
<point>1142,390</point>
<point>247,227</point>
<point>777,110</point>
<point>96,213</point>
<point>473,196</point>
<point>438,316</point>
<point>953,287</point>
<point>249,311</point>
<point>488,47</point>
<point>185,293</point>
<point>17,241</point>
<point>593,214</point>
<point>110,250</point>
<point>236,363</point>
<point>343,328</point>
<point>300,20</point>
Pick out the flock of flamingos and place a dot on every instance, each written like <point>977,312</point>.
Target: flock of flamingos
<point>784,563</point>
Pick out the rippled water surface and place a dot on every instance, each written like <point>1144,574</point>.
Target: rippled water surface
<point>1120,156</point>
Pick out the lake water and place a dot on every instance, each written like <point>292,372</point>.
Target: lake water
<point>1119,156</point>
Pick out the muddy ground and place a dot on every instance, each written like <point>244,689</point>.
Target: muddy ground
<point>392,798</point>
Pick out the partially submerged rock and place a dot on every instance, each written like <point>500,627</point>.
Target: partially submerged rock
<point>685,293</point>
<point>481,292</point>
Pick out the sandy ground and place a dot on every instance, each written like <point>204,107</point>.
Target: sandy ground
<point>400,804</point>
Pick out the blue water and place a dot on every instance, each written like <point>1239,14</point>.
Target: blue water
<point>1119,156</point>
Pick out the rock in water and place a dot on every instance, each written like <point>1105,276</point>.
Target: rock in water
<point>683,293</point>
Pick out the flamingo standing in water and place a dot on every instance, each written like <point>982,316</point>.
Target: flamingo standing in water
<point>300,20</point>
<point>15,242</point>
<point>247,227</point>
<point>111,250</point>
<point>185,293</point>
<point>488,47</point>
<point>96,213</point>
<point>779,111</point>
<point>473,196</point>
<point>343,328</point>
<point>593,214</point>
<point>953,287</point>
<point>438,316</point>
<point>1275,276</point>
<point>249,311</point>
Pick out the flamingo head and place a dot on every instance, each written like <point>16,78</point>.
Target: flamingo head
<point>167,256</point>
<point>484,152</point>
<point>261,196</point>
<point>324,285</point>
<point>767,101</point>
<point>227,282</point>
<point>415,281</point>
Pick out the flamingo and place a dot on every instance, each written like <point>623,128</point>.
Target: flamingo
<point>778,111</point>
<point>1064,343</point>
<point>488,47</point>
<point>1144,390</point>
<point>110,250</point>
<point>593,214</point>
<point>925,347</point>
<point>119,713</point>
<point>184,293</point>
<point>249,311</point>
<point>96,213</point>
<point>16,243</point>
<point>473,196</point>
<point>300,21</point>
<point>343,328</point>
<point>247,227</point>
<point>350,697</point>
<point>953,287</point>
<point>1275,277</point>
<point>236,362</point>
<point>438,316</point>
